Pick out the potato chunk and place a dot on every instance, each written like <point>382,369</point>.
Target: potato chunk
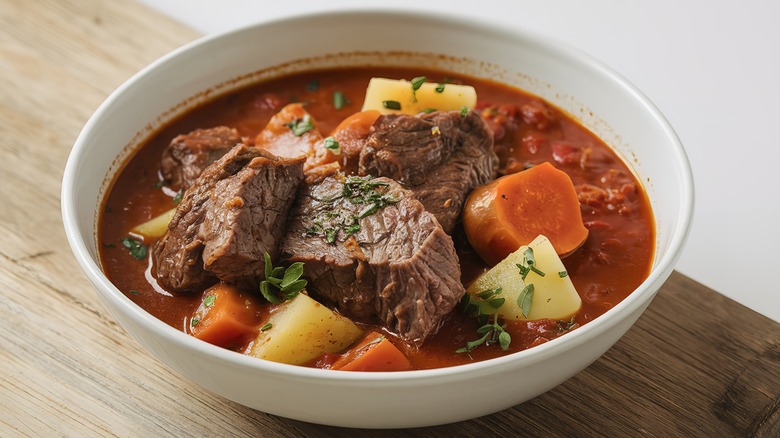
<point>156,226</point>
<point>390,96</point>
<point>554,295</point>
<point>302,329</point>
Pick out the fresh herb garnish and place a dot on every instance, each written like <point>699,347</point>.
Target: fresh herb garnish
<point>339,100</point>
<point>281,284</point>
<point>464,111</point>
<point>179,195</point>
<point>137,249</point>
<point>483,306</point>
<point>266,327</point>
<point>209,301</point>
<point>332,145</point>
<point>563,274</point>
<point>391,104</point>
<point>300,126</point>
<point>428,110</point>
<point>135,292</point>
<point>529,264</point>
<point>194,321</point>
<point>416,84</point>
<point>525,299</point>
<point>313,85</point>
<point>439,88</point>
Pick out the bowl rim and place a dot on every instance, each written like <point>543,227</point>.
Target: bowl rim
<point>662,266</point>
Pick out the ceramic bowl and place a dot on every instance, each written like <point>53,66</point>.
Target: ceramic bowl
<point>594,94</point>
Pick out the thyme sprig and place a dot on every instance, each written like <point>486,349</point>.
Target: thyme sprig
<point>281,284</point>
<point>484,307</point>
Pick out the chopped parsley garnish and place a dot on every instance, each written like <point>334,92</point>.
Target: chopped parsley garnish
<point>428,110</point>
<point>209,301</point>
<point>391,104</point>
<point>439,88</point>
<point>179,195</point>
<point>281,284</point>
<point>135,292</point>
<point>300,126</point>
<point>313,85</point>
<point>332,145</point>
<point>483,306</point>
<point>416,84</point>
<point>563,274</point>
<point>266,327</point>
<point>464,111</point>
<point>334,222</point>
<point>137,249</point>
<point>339,100</point>
<point>194,321</point>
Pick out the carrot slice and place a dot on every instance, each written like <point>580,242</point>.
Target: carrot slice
<point>373,353</point>
<point>290,133</point>
<point>501,216</point>
<point>226,317</point>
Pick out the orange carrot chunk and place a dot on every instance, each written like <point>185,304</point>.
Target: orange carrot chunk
<point>226,317</point>
<point>501,216</point>
<point>373,353</point>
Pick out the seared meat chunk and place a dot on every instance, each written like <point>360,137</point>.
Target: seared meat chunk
<point>187,155</point>
<point>373,250</point>
<point>233,213</point>
<point>440,156</point>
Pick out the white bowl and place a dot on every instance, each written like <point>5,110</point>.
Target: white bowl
<point>601,99</point>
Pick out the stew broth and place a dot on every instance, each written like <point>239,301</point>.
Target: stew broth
<point>614,260</point>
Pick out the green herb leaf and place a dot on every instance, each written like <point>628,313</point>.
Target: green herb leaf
<point>292,274</point>
<point>300,126</point>
<point>265,291</point>
<point>339,100</point>
<point>417,82</point>
<point>439,88</point>
<point>391,104</point>
<point>504,339</point>
<point>428,110</point>
<point>137,249</point>
<point>135,292</point>
<point>269,267</point>
<point>278,272</point>
<point>266,327</point>
<point>179,195</point>
<point>525,299</point>
<point>464,111</point>
<point>563,274</point>
<point>194,321</point>
<point>332,145</point>
<point>209,301</point>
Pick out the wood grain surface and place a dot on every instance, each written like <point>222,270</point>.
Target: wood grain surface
<point>696,363</point>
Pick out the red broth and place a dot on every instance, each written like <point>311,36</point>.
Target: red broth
<point>614,260</point>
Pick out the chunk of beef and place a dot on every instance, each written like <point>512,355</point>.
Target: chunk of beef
<point>375,252</point>
<point>233,213</point>
<point>440,156</point>
<point>187,155</point>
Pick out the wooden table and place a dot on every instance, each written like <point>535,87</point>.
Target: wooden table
<point>696,363</point>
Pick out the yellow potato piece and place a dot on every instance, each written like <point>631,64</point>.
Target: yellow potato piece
<point>554,296</point>
<point>452,97</point>
<point>156,226</point>
<point>301,330</point>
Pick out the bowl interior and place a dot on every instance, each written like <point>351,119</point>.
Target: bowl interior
<point>599,98</point>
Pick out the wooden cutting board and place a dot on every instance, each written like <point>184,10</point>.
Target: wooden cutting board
<point>696,363</point>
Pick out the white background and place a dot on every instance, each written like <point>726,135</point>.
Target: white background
<point>713,69</point>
